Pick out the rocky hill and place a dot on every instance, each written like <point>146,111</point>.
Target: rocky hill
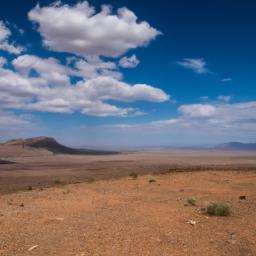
<point>50,144</point>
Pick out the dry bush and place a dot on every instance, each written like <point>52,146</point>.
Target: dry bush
<point>218,209</point>
<point>133,175</point>
<point>191,201</point>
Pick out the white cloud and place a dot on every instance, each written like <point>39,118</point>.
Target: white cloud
<point>199,66</point>
<point>129,62</point>
<point>93,67</point>
<point>5,33</point>
<point>51,90</point>
<point>198,124</point>
<point>226,79</point>
<point>88,81</point>
<point>3,61</point>
<point>197,110</point>
<point>106,88</point>
<point>78,29</point>
<point>224,98</point>
<point>9,119</point>
<point>120,126</point>
<point>165,122</point>
<point>218,116</point>
<point>49,69</point>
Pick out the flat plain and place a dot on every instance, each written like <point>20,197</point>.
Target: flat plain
<point>89,205</point>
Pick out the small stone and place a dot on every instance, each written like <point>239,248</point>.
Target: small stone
<point>32,248</point>
<point>192,222</point>
<point>242,197</point>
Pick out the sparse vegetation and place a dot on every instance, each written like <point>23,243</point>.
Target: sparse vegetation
<point>152,181</point>
<point>218,209</point>
<point>59,182</point>
<point>191,201</point>
<point>133,175</point>
<point>90,180</point>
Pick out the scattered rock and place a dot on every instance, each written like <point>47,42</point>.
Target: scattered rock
<point>192,222</point>
<point>22,205</point>
<point>32,248</point>
<point>232,239</point>
<point>58,219</point>
<point>53,220</point>
<point>242,197</point>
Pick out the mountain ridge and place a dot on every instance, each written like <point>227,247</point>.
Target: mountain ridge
<point>237,146</point>
<point>50,144</point>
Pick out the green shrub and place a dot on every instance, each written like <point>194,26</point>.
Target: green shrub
<point>90,180</point>
<point>218,209</point>
<point>191,201</point>
<point>133,175</point>
<point>59,182</point>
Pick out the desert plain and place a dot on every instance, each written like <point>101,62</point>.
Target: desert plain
<point>79,205</point>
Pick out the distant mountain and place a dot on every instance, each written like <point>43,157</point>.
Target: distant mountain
<point>53,146</point>
<point>5,162</point>
<point>237,146</point>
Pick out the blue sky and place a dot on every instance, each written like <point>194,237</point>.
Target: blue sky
<point>130,73</point>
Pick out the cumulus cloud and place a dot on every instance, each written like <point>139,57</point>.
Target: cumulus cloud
<point>80,30</point>
<point>106,88</point>
<point>49,69</point>
<point>129,62</point>
<point>92,67</point>
<point>5,45</point>
<point>198,124</point>
<point>199,66</point>
<point>218,116</point>
<point>50,89</point>
<point>87,82</point>
<point>3,61</point>
<point>197,110</point>
<point>165,122</point>
<point>9,119</point>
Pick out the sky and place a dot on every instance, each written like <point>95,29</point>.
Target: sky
<point>128,73</point>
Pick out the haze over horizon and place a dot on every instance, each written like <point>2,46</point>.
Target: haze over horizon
<point>122,73</point>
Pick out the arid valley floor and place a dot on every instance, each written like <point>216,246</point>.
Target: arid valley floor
<point>89,205</point>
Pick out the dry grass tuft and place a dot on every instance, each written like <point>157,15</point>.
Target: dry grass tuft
<point>218,209</point>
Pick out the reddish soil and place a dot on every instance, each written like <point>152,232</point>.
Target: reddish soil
<point>109,213</point>
<point>132,217</point>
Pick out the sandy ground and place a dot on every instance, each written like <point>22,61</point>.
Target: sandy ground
<point>105,212</point>
<point>132,217</point>
<point>38,168</point>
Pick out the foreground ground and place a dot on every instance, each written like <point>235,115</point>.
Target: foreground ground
<point>132,217</point>
<point>104,212</point>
